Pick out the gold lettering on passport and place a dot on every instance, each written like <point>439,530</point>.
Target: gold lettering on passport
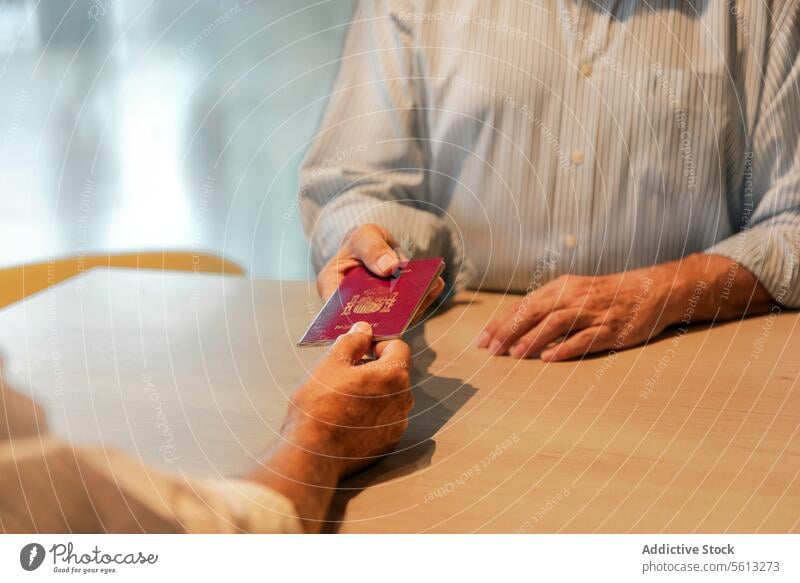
<point>370,302</point>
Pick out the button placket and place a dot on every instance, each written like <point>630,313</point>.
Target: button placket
<point>593,27</point>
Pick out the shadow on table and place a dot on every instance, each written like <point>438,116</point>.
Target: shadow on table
<point>437,400</point>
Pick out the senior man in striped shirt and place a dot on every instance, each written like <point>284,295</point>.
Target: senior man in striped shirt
<point>622,162</point>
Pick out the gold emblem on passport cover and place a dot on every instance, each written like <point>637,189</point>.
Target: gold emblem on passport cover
<point>369,303</point>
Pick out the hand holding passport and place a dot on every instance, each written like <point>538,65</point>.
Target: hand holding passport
<point>370,260</point>
<point>388,304</point>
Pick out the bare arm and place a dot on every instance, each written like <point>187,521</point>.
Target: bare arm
<point>713,287</point>
<point>306,478</point>
<point>346,416</point>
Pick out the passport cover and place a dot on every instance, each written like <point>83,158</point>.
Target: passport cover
<point>388,304</point>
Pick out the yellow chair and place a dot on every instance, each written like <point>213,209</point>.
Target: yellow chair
<point>19,282</point>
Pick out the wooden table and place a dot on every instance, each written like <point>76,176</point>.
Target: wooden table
<point>696,432</point>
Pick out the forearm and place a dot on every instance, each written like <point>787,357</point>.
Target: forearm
<point>703,287</point>
<point>297,469</point>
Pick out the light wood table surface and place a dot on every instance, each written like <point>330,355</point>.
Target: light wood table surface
<point>696,432</point>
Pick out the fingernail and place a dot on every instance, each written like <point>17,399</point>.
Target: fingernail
<point>360,328</point>
<point>494,347</point>
<point>547,354</point>
<point>518,351</point>
<point>482,341</point>
<point>386,262</point>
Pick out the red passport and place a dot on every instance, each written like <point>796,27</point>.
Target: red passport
<point>388,304</point>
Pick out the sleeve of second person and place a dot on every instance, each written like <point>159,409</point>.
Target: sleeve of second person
<point>368,161</point>
<point>769,244</point>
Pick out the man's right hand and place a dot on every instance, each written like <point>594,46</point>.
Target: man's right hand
<point>374,247</point>
<point>352,412</point>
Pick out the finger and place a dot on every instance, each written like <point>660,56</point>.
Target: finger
<point>486,335</point>
<point>595,339</point>
<point>409,402</point>
<point>350,348</point>
<point>394,367</point>
<point>331,275</point>
<point>518,320</point>
<point>374,246</point>
<point>395,351</point>
<point>433,295</point>
<point>380,347</point>
<point>551,328</point>
<point>489,332</point>
<point>532,310</point>
<point>436,290</point>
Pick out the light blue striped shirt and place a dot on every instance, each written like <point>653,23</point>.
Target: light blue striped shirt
<point>526,139</point>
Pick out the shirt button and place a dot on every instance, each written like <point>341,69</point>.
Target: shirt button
<point>586,69</point>
<point>570,241</point>
<point>577,157</point>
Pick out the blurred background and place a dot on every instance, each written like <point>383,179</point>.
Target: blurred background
<point>161,124</point>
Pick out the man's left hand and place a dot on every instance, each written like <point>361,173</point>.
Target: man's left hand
<point>576,315</point>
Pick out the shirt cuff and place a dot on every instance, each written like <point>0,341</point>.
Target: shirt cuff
<point>160,502</point>
<point>771,252</point>
<point>421,233</point>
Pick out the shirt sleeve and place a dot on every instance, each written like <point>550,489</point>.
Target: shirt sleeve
<point>768,243</point>
<point>49,486</point>
<point>368,161</point>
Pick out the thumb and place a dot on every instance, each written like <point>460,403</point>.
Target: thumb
<point>373,246</point>
<point>350,348</point>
